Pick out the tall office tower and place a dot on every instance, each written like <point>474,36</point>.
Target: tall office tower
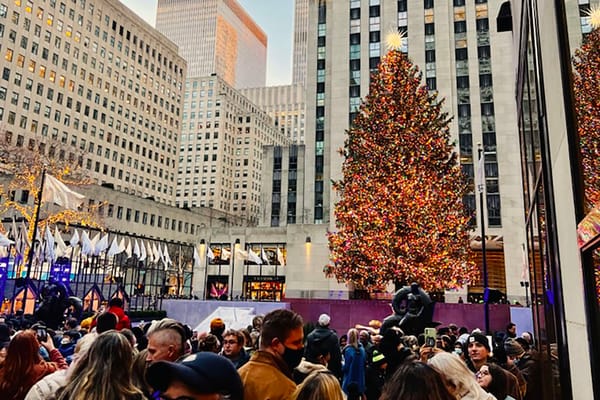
<point>220,157</point>
<point>92,82</point>
<point>300,41</point>
<point>216,36</point>
<point>285,104</point>
<point>464,58</point>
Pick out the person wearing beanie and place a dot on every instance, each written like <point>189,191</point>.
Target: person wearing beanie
<point>526,362</point>
<point>323,336</point>
<point>217,327</point>
<point>478,348</point>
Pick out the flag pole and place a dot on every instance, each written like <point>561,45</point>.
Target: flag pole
<point>36,222</point>
<point>38,204</point>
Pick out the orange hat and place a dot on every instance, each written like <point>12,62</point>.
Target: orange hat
<point>216,323</point>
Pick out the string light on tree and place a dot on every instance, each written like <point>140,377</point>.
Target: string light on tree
<point>586,81</point>
<point>400,216</point>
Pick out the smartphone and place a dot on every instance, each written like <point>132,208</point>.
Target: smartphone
<point>42,335</point>
<point>430,337</point>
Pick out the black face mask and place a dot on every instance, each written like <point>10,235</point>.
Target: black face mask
<point>292,357</point>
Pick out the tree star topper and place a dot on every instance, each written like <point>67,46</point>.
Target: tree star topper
<point>393,40</point>
<point>594,14</point>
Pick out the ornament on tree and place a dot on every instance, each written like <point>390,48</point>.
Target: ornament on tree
<point>586,82</point>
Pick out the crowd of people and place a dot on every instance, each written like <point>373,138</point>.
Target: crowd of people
<point>106,358</point>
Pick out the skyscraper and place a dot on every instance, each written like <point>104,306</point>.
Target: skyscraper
<point>463,57</point>
<point>216,37</point>
<point>300,41</point>
<point>220,157</point>
<point>91,82</point>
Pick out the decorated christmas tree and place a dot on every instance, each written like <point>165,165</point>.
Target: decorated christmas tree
<point>400,217</point>
<point>587,104</point>
<point>587,99</point>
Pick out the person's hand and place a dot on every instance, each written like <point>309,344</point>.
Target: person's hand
<point>427,352</point>
<point>48,343</point>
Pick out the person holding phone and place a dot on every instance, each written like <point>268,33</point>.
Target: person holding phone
<point>24,366</point>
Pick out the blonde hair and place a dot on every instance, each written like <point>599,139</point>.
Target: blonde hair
<point>319,385</point>
<point>104,372</point>
<point>353,337</point>
<point>455,372</point>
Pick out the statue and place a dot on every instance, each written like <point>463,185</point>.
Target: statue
<point>413,311</point>
<point>55,302</point>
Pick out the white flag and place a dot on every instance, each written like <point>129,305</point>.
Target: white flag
<point>525,266</point>
<point>101,245</point>
<point>241,253</point>
<point>149,252</point>
<point>143,253</point>
<point>252,256</point>
<point>480,181</point>
<point>225,254</point>
<point>86,244</point>
<point>114,248</point>
<point>160,254</point>
<point>74,241</point>
<point>209,253</point>
<point>58,193</point>
<point>136,249</point>
<point>196,258</point>
<point>94,241</point>
<point>263,255</point>
<point>167,256</point>
<point>61,247</point>
<point>49,249</point>
<point>128,250</point>
<point>122,247</point>
<point>280,258</point>
<point>155,256</point>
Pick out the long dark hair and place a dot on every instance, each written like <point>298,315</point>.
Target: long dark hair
<point>416,381</point>
<point>498,385</point>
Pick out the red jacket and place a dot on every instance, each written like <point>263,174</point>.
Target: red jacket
<point>123,321</point>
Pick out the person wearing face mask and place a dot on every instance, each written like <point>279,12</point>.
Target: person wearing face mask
<point>268,374</point>
<point>316,358</point>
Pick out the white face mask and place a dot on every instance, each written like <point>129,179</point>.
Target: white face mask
<point>65,340</point>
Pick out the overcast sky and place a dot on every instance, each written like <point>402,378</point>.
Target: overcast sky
<point>275,17</point>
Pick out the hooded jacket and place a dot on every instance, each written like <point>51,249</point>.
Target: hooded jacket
<point>330,340</point>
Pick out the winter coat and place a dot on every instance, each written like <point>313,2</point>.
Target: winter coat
<point>123,321</point>
<point>38,371</point>
<point>330,341</point>
<point>266,377</point>
<point>305,368</point>
<point>48,386</point>
<point>355,362</point>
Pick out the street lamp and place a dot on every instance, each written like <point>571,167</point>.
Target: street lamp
<point>237,243</point>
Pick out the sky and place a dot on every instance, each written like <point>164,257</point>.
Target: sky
<point>275,17</point>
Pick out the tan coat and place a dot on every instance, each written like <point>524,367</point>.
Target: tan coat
<point>264,379</point>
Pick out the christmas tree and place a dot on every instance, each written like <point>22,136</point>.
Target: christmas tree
<point>586,83</point>
<point>587,100</point>
<point>400,216</point>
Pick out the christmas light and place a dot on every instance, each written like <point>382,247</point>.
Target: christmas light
<point>400,216</point>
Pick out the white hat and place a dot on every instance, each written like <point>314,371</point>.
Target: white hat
<point>324,320</point>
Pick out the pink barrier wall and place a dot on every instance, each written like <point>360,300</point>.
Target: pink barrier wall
<point>347,313</point>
